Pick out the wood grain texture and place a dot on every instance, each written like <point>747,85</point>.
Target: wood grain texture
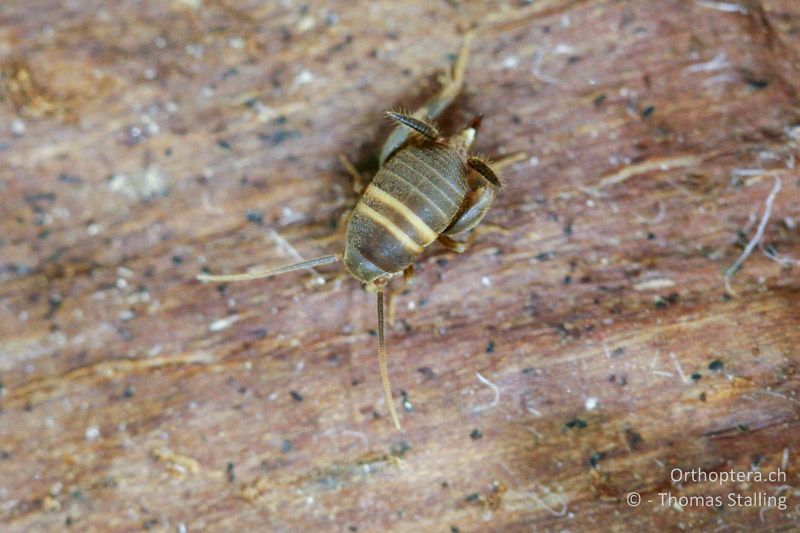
<point>143,142</point>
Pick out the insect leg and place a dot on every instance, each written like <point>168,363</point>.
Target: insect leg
<point>458,247</point>
<point>452,80</point>
<point>478,200</point>
<point>266,273</point>
<point>476,205</point>
<point>408,280</point>
<point>359,181</point>
<point>508,160</point>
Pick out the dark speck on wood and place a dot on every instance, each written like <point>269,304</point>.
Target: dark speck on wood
<point>255,217</point>
<point>405,402</point>
<point>69,178</point>
<point>595,459</point>
<point>280,136</point>
<point>633,438</point>
<point>400,448</point>
<point>599,99</point>
<point>576,423</point>
<point>757,83</point>
<point>427,372</point>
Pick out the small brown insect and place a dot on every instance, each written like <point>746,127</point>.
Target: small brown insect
<point>427,189</point>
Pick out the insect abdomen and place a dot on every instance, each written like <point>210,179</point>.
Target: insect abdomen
<point>413,198</point>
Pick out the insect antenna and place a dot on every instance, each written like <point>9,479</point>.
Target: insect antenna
<point>387,388</point>
<point>259,274</point>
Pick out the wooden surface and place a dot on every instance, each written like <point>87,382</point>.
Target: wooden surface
<point>143,142</point>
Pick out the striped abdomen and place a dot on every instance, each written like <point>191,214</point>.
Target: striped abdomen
<point>412,199</point>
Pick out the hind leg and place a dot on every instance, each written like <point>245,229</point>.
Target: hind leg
<point>360,182</point>
<point>452,80</point>
<point>392,293</point>
<point>476,205</point>
<point>479,200</point>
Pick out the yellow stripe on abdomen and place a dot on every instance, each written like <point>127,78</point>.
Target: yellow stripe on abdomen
<point>419,225</point>
<point>389,226</point>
